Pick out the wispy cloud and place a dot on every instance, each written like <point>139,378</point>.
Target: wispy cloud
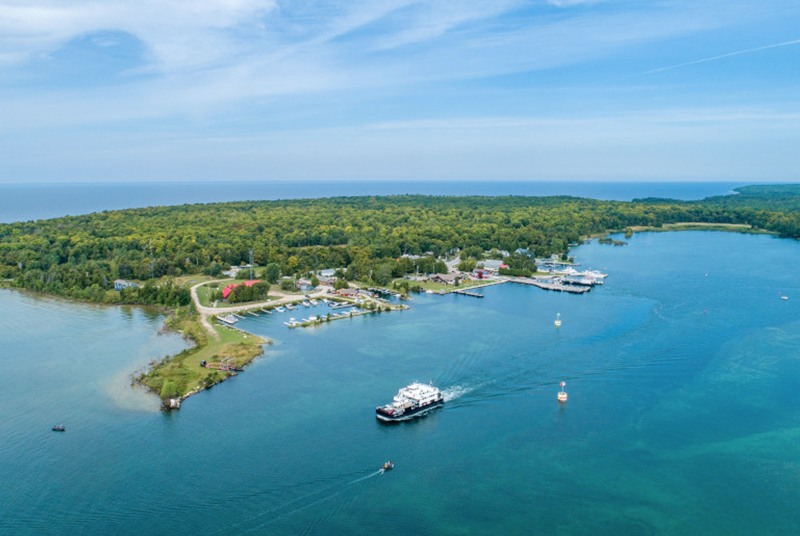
<point>723,56</point>
<point>178,33</point>
<point>571,3</point>
<point>362,78</point>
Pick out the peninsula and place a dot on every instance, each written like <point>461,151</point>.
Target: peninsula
<point>173,256</point>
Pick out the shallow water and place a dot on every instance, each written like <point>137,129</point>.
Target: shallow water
<point>682,375</point>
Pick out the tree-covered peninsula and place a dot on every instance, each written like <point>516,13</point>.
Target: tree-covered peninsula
<point>155,254</point>
<point>81,256</point>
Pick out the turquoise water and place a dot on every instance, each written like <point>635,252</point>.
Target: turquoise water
<point>683,412</point>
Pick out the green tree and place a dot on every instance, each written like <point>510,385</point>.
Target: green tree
<point>272,272</point>
<point>288,285</point>
<point>169,390</point>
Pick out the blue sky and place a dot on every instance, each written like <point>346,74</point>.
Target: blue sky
<point>616,90</point>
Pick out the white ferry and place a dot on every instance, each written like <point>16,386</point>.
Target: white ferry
<point>411,401</point>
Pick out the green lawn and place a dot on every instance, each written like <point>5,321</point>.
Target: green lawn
<point>184,369</point>
<point>436,287</point>
<point>204,293</point>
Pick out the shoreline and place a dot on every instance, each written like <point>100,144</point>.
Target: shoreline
<point>204,345</point>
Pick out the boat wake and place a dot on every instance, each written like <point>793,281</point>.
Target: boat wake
<point>455,392</point>
<point>298,504</point>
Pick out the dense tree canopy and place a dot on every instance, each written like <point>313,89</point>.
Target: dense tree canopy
<point>81,256</point>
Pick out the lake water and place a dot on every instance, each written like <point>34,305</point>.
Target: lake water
<point>22,202</point>
<point>682,373</point>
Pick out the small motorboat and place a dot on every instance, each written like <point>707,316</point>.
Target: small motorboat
<point>59,428</point>
<point>388,466</point>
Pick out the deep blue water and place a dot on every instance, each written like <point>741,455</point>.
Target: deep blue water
<point>22,202</point>
<point>682,372</point>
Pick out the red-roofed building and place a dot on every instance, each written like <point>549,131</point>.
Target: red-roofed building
<point>227,290</point>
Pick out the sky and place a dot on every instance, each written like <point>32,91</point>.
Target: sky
<point>216,90</point>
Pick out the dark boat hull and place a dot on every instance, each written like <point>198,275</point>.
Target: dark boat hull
<point>408,414</point>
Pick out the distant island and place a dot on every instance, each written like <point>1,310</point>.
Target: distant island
<point>154,256</point>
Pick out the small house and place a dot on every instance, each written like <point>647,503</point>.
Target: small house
<point>120,284</point>
<point>446,279</point>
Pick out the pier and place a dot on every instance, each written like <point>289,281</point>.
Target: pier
<point>469,293</point>
<point>322,319</point>
<point>553,284</point>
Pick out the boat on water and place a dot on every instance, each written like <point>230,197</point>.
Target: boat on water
<point>59,428</point>
<point>411,401</point>
<point>557,321</point>
<point>388,466</point>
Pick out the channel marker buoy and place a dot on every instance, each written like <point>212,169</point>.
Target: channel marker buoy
<point>562,394</point>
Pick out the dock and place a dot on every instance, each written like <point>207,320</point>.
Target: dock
<point>228,319</point>
<point>320,319</point>
<point>553,284</point>
<point>468,293</point>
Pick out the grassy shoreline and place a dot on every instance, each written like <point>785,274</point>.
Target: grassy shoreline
<point>698,226</point>
<point>181,375</point>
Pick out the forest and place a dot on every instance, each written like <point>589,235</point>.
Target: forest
<point>81,256</point>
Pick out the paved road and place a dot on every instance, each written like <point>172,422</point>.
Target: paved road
<point>205,312</point>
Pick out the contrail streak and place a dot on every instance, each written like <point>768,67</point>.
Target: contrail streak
<point>721,56</point>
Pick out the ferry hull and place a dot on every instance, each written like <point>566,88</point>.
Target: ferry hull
<point>408,415</point>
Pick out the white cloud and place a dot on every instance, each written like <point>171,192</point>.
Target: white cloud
<point>571,3</point>
<point>225,68</point>
<point>179,33</point>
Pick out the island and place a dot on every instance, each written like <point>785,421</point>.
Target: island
<point>201,263</point>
